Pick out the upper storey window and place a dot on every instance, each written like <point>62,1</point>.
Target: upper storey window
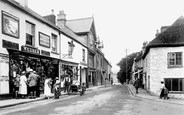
<point>30,33</point>
<point>175,59</point>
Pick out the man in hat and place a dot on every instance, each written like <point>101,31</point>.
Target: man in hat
<point>32,80</point>
<point>38,84</point>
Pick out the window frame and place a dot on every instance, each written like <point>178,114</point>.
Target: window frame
<point>33,36</point>
<point>83,55</point>
<point>180,89</point>
<point>56,39</point>
<point>174,58</point>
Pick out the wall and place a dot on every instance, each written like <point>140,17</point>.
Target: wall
<point>39,27</point>
<point>157,68</point>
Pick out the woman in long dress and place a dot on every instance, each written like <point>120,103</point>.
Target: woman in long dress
<point>23,85</point>
<point>47,87</point>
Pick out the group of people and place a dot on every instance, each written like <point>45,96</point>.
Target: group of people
<point>26,85</point>
<point>163,93</point>
<point>56,86</point>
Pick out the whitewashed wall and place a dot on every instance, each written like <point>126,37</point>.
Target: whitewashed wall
<point>77,52</point>
<point>39,27</point>
<point>157,68</point>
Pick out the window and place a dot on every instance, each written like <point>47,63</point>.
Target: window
<point>83,55</point>
<point>30,33</point>
<point>174,84</point>
<point>175,59</point>
<point>90,61</point>
<point>54,43</point>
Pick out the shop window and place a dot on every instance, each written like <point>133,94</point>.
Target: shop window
<point>83,55</point>
<point>54,43</point>
<point>30,33</point>
<point>175,59</point>
<point>174,84</point>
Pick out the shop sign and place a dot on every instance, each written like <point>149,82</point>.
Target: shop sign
<point>30,50</point>
<point>10,45</point>
<point>44,40</point>
<point>82,63</point>
<point>4,74</point>
<point>45,53</point>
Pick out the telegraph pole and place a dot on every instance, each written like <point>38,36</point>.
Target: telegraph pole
<point>126,67</point>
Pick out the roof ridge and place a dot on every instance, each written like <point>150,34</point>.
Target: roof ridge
<point>179,21</point>
<point>80,19</point>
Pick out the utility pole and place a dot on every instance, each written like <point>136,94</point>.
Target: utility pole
<point>126,67</point>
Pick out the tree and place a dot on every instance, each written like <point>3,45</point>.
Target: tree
<point>124,72</point>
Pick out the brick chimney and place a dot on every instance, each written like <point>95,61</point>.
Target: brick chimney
<point>23,3</point>
<point>51,18</point>
<point>61,19</point>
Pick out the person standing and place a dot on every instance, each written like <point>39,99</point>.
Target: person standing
<point>38,84</point>
<point>47,87</point>
<point>16,81</point>
<point>32,80</point>
<point>162,90</point>
<point>67,83</point>
<point>57,88</point>
<point>23,85</point>
<point>136,85</point>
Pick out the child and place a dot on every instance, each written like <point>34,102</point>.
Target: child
<point>57,88</point>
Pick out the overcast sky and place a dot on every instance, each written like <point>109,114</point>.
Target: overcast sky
<point>121,24</point>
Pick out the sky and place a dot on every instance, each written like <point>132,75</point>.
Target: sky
<point>120,24</point>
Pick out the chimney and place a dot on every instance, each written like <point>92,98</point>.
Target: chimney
<point>157,33</point>
<point>51,18</point>
<point>61,21</point>
<point>144,45</point>
<point>23,3</point>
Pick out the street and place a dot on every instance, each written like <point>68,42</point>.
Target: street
<point>111,100</point>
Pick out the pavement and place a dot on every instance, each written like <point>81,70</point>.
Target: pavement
<point>142,93</point>
<point>14,102</point>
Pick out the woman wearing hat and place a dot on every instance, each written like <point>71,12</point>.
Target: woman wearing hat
<point>23,85</point>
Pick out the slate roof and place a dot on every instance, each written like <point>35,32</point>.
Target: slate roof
<point>80,25</point>
<point>68,32</point>
<point>172,37</point>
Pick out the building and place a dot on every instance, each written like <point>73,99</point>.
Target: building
<point>163,60</point>
<point>27,41</point>
<point>74,53</point>
<point>85,28</point>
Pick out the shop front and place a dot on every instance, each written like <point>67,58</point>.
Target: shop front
<point>32,58</point>
<point>71,69</point>
<point>83,72</point>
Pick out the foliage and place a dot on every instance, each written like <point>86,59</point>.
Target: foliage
<point>124,72</point>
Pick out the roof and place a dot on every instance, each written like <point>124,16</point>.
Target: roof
<point>68,32</point>
<point>172,37</point>
<point>31,13</point>
<point>80,25</point>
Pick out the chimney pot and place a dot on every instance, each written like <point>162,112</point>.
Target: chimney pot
<point>52,11</point>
